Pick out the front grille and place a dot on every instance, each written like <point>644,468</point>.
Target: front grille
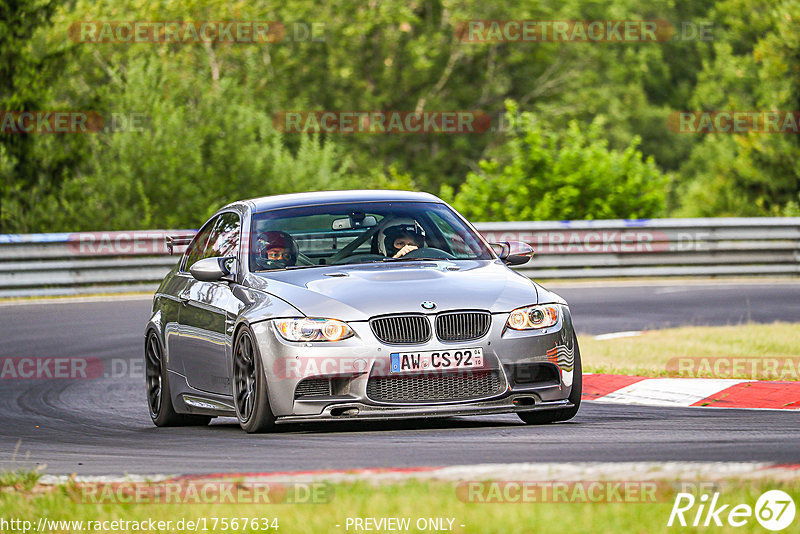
<point>442,387</point>
<point>402,329</point>
<point>462,326</point>
<point>311,387</point>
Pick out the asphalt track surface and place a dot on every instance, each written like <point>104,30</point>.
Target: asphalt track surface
<point>101,426</point>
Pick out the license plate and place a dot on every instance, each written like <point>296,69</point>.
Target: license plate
<point>436,360</point>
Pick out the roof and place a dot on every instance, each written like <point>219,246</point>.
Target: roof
<point>335,197</point>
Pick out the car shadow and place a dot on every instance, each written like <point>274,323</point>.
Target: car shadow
<point>344,426</point>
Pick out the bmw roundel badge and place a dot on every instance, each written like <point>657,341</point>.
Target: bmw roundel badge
<point>428,305</point>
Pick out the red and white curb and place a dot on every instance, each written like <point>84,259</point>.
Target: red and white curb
<point>534,471</point>
<point>698,392</point>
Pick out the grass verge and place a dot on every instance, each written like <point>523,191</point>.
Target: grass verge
<point>21,479</point>
<point>410,499</point>
<point>749,351</point>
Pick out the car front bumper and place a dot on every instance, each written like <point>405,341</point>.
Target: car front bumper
<point>508,404</point>
<point>352,362</point>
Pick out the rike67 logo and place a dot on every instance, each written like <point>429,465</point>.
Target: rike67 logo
<point>774,510</point>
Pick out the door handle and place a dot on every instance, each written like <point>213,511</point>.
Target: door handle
<point>184,299</point>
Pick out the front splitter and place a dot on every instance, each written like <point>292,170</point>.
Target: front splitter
<point>367,412</point>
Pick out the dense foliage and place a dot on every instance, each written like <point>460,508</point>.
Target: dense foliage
<point>560,174</point>
<point>586,134</point>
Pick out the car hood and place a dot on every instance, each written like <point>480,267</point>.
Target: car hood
<point>358,292</point>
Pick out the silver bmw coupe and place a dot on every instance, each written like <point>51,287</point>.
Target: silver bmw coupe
<point>354,305</point>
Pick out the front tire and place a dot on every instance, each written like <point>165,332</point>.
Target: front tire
<point>159,398</point>
<point>250,386</point>
<point>561,414</point>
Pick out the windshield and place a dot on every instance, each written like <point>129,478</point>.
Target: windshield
<point>362,232</point>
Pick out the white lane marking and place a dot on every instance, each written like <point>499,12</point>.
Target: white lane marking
<point>615,335</point>
<point>684,289</point>
<point>48,480</point>
<point>669,391</point>
<point>710,283</point>
<point>13,301</point>
<point>677,289</point>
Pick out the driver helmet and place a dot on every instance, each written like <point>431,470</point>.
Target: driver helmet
<point>275,250</point>
<point>399,228</point>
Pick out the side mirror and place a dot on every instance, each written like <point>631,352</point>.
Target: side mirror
<point>513,252</point>
<point>212,269</point>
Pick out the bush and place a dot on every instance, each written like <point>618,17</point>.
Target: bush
<point>542,173</point>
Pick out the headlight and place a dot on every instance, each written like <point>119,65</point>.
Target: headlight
<point>533,317</point>
<point>307,329</point>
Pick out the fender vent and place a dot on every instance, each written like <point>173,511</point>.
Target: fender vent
<point>313,387</point>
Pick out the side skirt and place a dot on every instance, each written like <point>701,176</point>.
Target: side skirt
<point>189,400</point>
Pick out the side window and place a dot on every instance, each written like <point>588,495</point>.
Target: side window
<point>198,246</point>
<point>224,239</point>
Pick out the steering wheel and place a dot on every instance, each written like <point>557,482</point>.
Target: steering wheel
<point>428,252</point>
<point>359,258</point>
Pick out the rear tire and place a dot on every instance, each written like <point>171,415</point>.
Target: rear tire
<point>159,398</point>
<point>250,395</point>
<point>561,414</point>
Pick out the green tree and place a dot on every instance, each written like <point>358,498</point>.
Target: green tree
<point>28,67</point>
<point>747,173</point>
<point>210,105</point>
<point>547,174</point>
<point>201,146</point>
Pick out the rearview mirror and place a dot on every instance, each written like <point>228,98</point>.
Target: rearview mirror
<point>212,269</point>
<point>346,223</point>
<point>513,252</point>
